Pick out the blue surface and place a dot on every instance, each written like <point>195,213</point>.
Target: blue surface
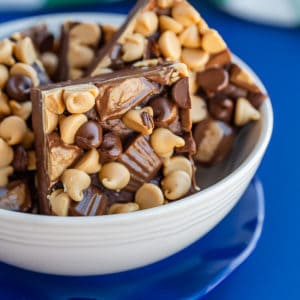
<point>186,275</point>
<point>272,272</point>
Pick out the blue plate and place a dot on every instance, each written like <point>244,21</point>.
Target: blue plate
<point>190,274</point>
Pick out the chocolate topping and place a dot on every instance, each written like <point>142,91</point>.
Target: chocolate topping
<point>89,135</point>
<point>234,92</point>
<point>220,59</point>
<point>213,80</point>
<point>185,119</point>
<point>180,93</point>
<point>18,87</point>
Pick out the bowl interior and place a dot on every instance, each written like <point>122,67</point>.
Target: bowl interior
<point>251,139</point>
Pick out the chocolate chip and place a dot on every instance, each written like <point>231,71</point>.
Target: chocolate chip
<point>164,111</point>
<point>16,197</point>
<point>220,59</point>
<point>256,99</point>
<point>111,148</point>
<point>221,108</point>
<point>89,135</point>
<point>18,87</point>
<point>180,93</point>
<point>234,92</point>
<point>20,161</point>
<point>94,203</point>
<point>213,80</point>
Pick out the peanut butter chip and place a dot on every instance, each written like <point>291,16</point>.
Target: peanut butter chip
<point>149,195</point>
<point>170,45</point>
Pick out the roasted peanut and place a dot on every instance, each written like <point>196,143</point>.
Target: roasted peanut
<point>212,42</point>
<point>133,47</point>
<point>4,174</point>
<point>24,51</point>
<point>149,195</point>
<point>50,62</point>
<point>75,182</point>
<point>31,166</point>
<point>22,110</point>
<point>140,120</point>
<point>50,121</point>
<point>202,26</point>
<point>6,52</point>
<point>26,70</point>
<point>176,184</point>
<point>185,14</point>
<point>193,86</point>
<point>4,107</point>
<point>121,208</point>
<point>69,126</point>
<point>169,45</point>
<point>13,130</point>
<point>4,75</point>
<point>146,63</point>
<point>90,162</point>
<point>79,56</point>
<point>75,73</point>
<point>168,23</point>
<point>114,176</point>
<point>165,3</point>
<point>7,154</point>
<point>245,112</point>
<point>86,33</point>
<point>195,59</point>
<point>54,102</point>
<point>199,109</point>
<point>146,23</point>
<point>59,202</point>
<point>28,139</point>
<point>177,163</point>
<point>79,102</point>
<point>190,37</point>
<point>163,141</point>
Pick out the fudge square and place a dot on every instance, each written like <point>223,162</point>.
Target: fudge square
<point>115,139</point>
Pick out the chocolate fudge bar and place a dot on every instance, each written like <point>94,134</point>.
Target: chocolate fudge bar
<point>173,30</point>
<point>78,44</point>
<point>114,143</point>
<point>20,70</point>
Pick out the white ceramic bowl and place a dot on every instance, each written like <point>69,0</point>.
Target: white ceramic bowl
<point>108,244</point>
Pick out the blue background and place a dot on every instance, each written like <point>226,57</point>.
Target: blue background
<point>272,271</point>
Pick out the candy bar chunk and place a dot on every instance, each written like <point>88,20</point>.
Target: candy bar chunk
<point>141,161</point>
<point>214,139</point>
<point>94,203</point>
<point>77,47</point>
<point>16,196</point>
<point>105,128</point>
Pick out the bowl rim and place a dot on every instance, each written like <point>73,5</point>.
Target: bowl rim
<point>256,154</point>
